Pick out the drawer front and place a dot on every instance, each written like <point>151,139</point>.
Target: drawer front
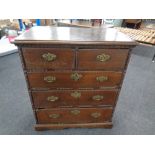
<point>54,80</point>
<point>72,115</point>
<point>102,59</point>
<point>82,98</point>
<point>48,58</point>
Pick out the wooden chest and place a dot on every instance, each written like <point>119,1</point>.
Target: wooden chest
<point>74,75</point>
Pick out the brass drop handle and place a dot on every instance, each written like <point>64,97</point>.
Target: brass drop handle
<point>103,57</point>
<point>98,97</point>
<point>54,116</point>
<point>96,114</point>
<point>76,76</point>
<point>52,98</point>
<point>49,57</point>
<point>76,94</point>
<point>50,79</point>
<point>101,78</point>
<point>75,112</point>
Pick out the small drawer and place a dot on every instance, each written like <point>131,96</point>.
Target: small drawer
<point>102,59</point>
<point>76,98</point>
<point>74,115</point>
<point>48,58</point>
<point>74,80</point>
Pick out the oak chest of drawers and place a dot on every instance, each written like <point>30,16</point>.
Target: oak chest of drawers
<point>74,75</point>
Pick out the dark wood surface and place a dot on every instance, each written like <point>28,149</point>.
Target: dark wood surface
<point>68,115</point>
<point>87,59</point>
<point>70,35</point>
<point>68,59</point>
<point>65,98</point>
<point>72,87</point>
<point>63,80</point>
<point>42,127</point>
<point>34,58</point>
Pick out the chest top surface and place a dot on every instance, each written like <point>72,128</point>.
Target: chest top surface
<point>72,35</point>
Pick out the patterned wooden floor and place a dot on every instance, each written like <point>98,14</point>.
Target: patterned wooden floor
<point>144,35</point>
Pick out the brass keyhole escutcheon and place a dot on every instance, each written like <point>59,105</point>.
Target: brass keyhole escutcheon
<point>96,114</point>
<point>49,57</point>
<point>76,94</point>
<point>98,97</point>
<point>102,78</point>
<point>75,112</point>
<point>76,76</point>
<point>52,98</point>
<point>103,57</point>
<point>50,79</point>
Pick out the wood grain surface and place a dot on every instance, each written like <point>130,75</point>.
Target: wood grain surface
<point>66,115</point>
<point>63,79</point>
<point>65,98</point>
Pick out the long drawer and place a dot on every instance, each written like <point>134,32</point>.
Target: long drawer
<point>83,79</point>
<point>82,98</point>
<point>102,59</point>
<point>74,115</point>
<point>48,58</point>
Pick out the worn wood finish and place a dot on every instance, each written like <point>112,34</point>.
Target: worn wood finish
<point>69,115</point>
<point>71,35</point>
<point>74,75</point>
<point>53,99</point>
<point>42,127</point>
<point>34,58</point>
<point>87,59</point>
<point>75,45</point>
<point>63,80</point>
